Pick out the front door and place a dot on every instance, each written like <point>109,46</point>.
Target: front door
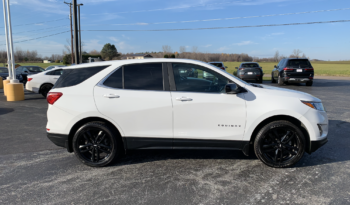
<point>135,97</point>
<point>202,109</point>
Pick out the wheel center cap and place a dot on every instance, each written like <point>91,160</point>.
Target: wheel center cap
<point>95,145</point>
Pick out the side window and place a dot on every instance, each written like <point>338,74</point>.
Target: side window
<point>50,73</point>
<point>71,77</point>
<point>58,72</point>
<point>194,78</point>
<point>115,80</point>
<point>144,76</point>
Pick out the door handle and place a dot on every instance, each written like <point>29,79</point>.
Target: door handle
<point>111,96</point>
<point>184,99</point>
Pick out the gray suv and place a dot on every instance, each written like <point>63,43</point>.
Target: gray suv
<point>250,71</point>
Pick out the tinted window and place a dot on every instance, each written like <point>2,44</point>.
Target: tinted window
<point>19,69</point>
<point>50,73</point>
<point>250,65</point>
<point>194,78</point>
<point>71,77</point>
<point>115,80</point>
<point>296,63</point>
<point>217,64</point>
<point>58,72</point>
<point>4,70</point>
<point>35,69</point>
<point>143,76</point>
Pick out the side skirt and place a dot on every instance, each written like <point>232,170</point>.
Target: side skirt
<point>133,143</point>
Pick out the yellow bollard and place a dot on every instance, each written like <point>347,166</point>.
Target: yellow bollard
<point>15,91</point>
<point>1,86</point>
<point>5,82</point>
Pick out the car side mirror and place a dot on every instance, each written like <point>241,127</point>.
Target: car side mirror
<point>236,67</point>
<point>226,67</point>
<point>275,66</point>
<point>232,88</point>
<point>26,71</point>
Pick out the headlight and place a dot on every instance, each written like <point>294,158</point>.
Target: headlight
<point>315,105</point>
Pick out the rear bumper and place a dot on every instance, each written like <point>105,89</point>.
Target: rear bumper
<point>59,140</point>
<point>297,79</point>
<point>315,145</point>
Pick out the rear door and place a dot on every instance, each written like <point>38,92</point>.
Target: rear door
<point>203,111</point>
<point>137,98</point>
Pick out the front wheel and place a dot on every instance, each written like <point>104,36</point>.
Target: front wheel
<point>95,145</point>
<point>272,79</point>
<point>280,144</point>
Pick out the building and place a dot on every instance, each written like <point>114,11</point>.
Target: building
<point>46,61</point>
<point>91,60</point>
<point>138,56</point>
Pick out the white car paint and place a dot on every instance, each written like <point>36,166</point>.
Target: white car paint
<point>159,114</point>
<point>40,79</point>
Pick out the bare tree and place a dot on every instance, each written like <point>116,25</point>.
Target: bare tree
<point>194,49</point>
<point>304,56</point>
<point>296,53</point>
<point>167,49</point>
<point>94,52</point>
<point>276,56</point>
<point>182,49</point>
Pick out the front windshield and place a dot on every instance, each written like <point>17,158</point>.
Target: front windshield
<point>4,70</point>
<point>35,69</point>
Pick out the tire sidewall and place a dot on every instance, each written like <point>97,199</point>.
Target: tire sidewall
<point>259,138</point>
<point>105,129</point>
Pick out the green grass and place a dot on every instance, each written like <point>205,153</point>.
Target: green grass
<point>323,68</point>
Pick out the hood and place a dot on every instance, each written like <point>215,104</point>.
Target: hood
<point>290,93</point>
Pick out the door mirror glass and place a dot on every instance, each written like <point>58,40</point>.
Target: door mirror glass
<point>275,66</point>
<point>232,88</point>
<point>236,67</point>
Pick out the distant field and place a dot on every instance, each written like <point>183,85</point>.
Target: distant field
<point>43,65</point>
<point>325,68</point>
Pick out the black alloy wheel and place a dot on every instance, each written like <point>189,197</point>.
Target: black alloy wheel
<point>309,83</point>
<point>280,144</point>
<point>95,144</point>
<point>45,89</point>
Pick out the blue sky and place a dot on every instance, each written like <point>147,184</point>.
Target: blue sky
<point>321,41</point>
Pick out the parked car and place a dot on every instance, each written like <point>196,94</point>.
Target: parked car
<point>293,70</point>
<point>4,73</point>
<point>54,66</point>
<point>250,71</point>
<point>43,82</point>
<point>24,71</point>
<point>100,110</point>
<point>219,65</point>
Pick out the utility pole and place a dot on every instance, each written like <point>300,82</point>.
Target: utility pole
<point>81,52</point>
<point>7,44</point>
<point>76,40</point>
<point>71,31</point>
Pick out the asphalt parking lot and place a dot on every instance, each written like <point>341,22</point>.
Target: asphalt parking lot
<point>35,171</point>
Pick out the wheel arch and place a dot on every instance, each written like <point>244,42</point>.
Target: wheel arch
<point>81,122</point>
<point>291,119</point>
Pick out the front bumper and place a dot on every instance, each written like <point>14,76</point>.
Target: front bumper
<point>315,145</point>
<point>59,140</point>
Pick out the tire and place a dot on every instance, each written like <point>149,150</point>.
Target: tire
<point>309,83</point>
<point>280,81</point>
<point>272,79</point>
<point>45,89</point>
<point>260,80</point>
<point>280,144</point>
<point>96,145</point>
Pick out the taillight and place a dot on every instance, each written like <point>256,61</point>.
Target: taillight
<point>288,69</point>
<point>52,97</point>
<point>222,68</point>
<point>309,69</point>
<point>29,79</point>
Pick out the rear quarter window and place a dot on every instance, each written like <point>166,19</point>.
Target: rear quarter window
<point>71,77</point>
<point>302,63</point>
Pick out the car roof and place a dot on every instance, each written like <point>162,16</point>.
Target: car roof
<point>297,58</point>
<point>249,62</point>
<point>215,62</point>
<point>134,61</point>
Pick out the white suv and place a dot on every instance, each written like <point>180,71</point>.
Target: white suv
<point>101,110</point>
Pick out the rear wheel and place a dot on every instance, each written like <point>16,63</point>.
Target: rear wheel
<point>279,144</point>
<point>95,145</point>
<point>260,80</point>
<point>280,81</point>
<point>309,83</point>
<point>45,89</point>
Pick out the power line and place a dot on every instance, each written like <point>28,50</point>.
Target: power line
<point>37,22</point>
<point>38,29</point>
<point>220,19</point>
<point>39,37</point>
<point>24,37</point>
<point>212,28</point>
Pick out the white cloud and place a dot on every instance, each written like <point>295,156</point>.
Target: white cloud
<point>93,44</point>
<point>207,46</point>
<point>114,39</point>
<point>244,43</point>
